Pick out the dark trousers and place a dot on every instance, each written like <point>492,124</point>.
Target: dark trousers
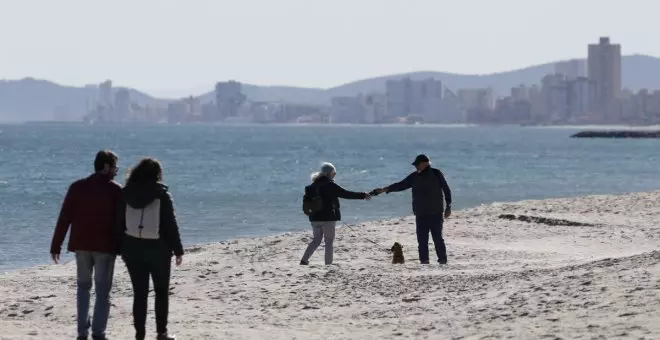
<point>432,224</point>
<point>140,268</point>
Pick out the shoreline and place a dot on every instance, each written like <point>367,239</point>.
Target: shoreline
<point>613,126</point>
<point>306,228</point>
<point>587,266</point>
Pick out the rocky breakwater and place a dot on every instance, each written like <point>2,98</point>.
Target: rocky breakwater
<point>618,134</point>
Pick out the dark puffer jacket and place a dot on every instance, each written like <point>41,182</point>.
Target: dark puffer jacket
<point>139,197</point>
<point>330,193</point>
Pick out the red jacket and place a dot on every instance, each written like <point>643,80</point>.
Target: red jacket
<point>90,208</point>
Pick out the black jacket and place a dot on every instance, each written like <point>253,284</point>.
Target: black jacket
<point>429,187</point>
<point>330,193</point>
<point>140,196</point>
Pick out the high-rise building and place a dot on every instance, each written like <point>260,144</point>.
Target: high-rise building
<point>176,112</point>
<point>375,108</point>
<point>105,97</point>
<point>406,97</point>
<point>122,109</point>
<point>348,109</point>
<point>228,98</point>
<point>571,69</point>
<point>482,99</point>
<point>578,99</point>
<point>398,93</point>
<point>520,93</point>
<point>604,72</point>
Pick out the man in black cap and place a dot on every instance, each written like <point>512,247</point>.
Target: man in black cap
<point>429,190</point>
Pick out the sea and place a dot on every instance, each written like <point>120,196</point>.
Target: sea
<point>232,181</point>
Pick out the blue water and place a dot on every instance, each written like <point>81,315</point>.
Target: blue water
<point>231,181</point>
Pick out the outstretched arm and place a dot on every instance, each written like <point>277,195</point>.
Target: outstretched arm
<point>405,184</point>
<point>346,194</point>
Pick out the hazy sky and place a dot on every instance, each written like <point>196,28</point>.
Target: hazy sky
<point>169,47</point>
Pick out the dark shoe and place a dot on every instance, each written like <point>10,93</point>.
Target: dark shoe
<point>304,263</point>
<point>96,337</point>
<point>165,337</point>
<point>81,338</point>
<point>442,261</point>
<point>424,262</point>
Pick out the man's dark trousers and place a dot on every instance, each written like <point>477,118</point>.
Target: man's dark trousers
<point>432,224</point>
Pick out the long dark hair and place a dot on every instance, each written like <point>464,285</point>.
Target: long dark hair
<point>147,171</point>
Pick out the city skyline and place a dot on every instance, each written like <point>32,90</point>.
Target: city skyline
<point>208,88</point>
<point>300,43</point>
<point>578,90</point>
<point>575,91</point>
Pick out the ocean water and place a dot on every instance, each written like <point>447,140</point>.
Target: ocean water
<point>236,181</point>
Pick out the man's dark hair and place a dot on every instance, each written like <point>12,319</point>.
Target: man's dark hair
<point>104,157</point>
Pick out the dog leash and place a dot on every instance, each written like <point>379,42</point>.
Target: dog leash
<point>366,239</point>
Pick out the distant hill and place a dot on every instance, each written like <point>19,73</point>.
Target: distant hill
<point>638,72</point>
<point>32,99</point>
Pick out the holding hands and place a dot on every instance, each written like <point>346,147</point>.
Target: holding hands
<point>375,192</point>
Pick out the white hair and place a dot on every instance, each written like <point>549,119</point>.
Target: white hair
<point>327,170</point>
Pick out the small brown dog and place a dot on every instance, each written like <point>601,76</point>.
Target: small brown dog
<point>397,250</point>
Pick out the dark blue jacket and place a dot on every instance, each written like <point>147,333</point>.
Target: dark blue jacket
<point>429,190</point>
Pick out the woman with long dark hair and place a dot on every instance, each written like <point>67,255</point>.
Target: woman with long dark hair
<point>150,236</point>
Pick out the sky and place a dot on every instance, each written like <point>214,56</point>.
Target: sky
<point>174,48</point>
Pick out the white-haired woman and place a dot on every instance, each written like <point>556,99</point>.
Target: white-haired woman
<point>325,220</point>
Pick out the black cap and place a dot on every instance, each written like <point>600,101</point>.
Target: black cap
<point>420,159</point>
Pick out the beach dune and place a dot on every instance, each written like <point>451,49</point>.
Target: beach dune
<point>573,268</point>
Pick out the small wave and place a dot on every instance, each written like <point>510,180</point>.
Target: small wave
<point>4,183</point>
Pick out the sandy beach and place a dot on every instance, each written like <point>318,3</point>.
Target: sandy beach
<point>574,268</point>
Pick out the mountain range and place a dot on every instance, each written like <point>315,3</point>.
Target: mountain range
<point>32,99</point>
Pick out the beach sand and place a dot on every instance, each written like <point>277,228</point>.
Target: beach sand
<point>507,279</point>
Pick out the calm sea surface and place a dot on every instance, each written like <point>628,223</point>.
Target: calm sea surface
<point>231,181</point>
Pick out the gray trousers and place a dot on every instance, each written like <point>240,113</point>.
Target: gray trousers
<point>322,230</point>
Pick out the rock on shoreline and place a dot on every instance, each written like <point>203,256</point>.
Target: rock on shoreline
<point>617,134</point>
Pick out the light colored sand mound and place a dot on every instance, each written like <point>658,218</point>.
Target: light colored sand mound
<point>506,279</point>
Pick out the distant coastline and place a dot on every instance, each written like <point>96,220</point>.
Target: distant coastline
<point>43,100</point>
<point>567,126</point>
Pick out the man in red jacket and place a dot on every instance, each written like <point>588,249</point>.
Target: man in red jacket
<point>90,209</point>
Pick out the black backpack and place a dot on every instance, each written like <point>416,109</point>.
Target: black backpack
<point>312,204</point>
